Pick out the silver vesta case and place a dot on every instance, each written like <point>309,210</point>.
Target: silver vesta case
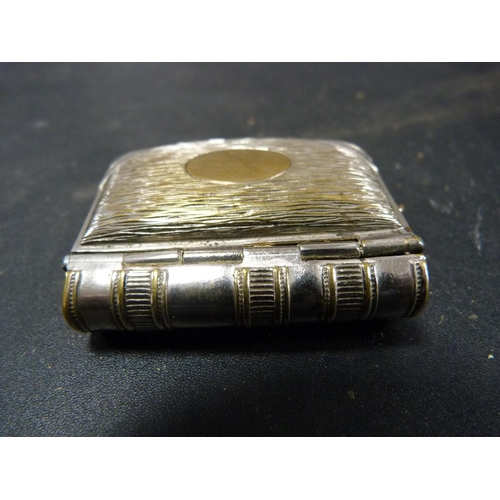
<point>243,232</point>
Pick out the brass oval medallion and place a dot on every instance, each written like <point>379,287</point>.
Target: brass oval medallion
<point>237,165</point>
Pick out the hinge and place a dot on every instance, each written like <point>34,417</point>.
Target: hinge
<point>332,250</point>
<point>183,257</point>
<point>212,255</point>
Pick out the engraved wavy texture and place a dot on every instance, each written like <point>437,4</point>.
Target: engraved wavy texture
<point>328,188</point>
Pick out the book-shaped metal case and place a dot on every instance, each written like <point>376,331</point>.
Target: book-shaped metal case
<point>243,232</point>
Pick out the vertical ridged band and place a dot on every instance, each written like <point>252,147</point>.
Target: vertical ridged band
<point>161,316</point>
<point>117,300</point>
<point>139,299</point>
<point>262,296</point>
<point>329,295</point>
<point>70,306</point>
<point>420,287</point>
<point>241,288</point>
<point>349,291</point>
<point>371,291</point>
<point>282,294</point>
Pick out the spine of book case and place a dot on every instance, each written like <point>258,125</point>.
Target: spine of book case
<point>145,298</point>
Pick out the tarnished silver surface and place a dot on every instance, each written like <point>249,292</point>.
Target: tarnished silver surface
<point>181,237</point>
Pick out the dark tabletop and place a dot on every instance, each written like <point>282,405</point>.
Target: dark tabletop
<point>434,132</point>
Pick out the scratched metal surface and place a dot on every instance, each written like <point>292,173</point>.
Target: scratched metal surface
<point>432,130</point>
<point>149,197</point>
